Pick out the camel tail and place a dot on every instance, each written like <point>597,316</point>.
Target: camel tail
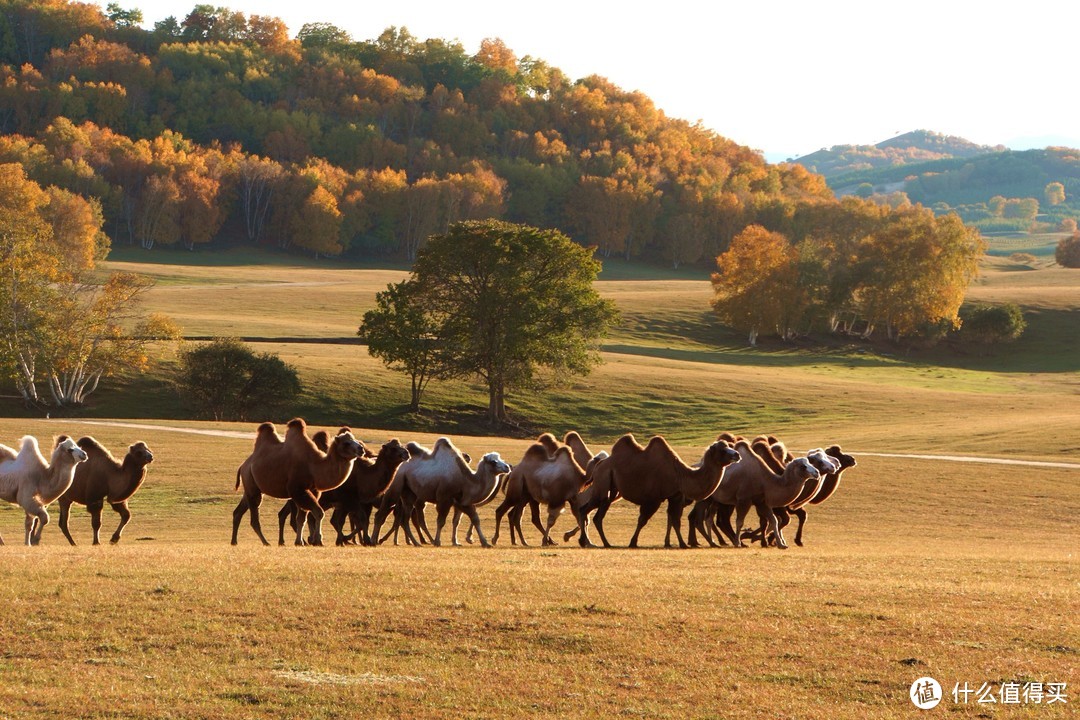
<point>237,487</point>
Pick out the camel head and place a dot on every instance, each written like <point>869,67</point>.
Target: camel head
<point>67,450</point>
<point>802,470</point>
<point>345,446</point>
<point>496,464</point>
<point>823,462</point>
<point>140,453</point>
<point>842,457</point>
<point>394,452</point>
<point>722,453</point>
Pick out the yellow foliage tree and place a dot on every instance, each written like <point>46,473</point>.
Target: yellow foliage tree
<point>756,286</point>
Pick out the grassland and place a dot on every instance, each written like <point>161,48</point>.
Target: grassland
<point>964,572</point>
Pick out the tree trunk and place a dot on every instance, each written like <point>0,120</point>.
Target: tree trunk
<point>496,403</point>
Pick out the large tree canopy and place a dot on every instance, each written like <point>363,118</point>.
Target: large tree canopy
<point>511,304</point>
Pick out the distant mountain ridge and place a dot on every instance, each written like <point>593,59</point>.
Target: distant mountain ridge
<point>918,146</point>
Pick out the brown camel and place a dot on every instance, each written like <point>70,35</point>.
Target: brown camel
<point>828,463</point>
<point>552,479</point>
<point>647,476</point>
<point>29,481</point>
<point>296,469</point>
<point>517,495</point>
<point>597,497</point>
<point>355,498</point>
<point>752,483</point>
<point>828,486</point>
<point>103,478</point>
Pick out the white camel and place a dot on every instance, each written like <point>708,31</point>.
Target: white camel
<point>30,482</point>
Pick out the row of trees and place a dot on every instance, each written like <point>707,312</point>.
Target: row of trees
<point>61,332</point>
<point>370,145</point>
<point>855,266</point>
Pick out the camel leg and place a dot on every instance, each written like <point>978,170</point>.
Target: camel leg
<point>675,508</point>
<point>801,514</point>
<point>238,515</point>
<point>474,518</point>
<point>287,512</point>
<point>598,522</point>
<point>443,509</point>
<point>308,506</point>
<point>645,512</point>
<point>337,521</point>
<point>723,523</point>
<point>363,519</point>
<point>419,520</point>
<point>65,510</point>
<point>515,522</point>
<point>503,508</point>
<point>454,527</point>
<point>534,511</point>
<point>95,520</point>
<point>691,531</point>
<point>403,517</point>
<point>773,526</point>
<point>37,517</point>
<point>709,527</point>
<point>254,503</point>
<point>122,510</point>
<point>741,511</point>
<point>385,508</point>
<point>553,513</point>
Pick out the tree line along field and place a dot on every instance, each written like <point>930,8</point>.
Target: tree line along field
<point>966,572</point>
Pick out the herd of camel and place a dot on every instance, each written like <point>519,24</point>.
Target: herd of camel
<point>321,473</point>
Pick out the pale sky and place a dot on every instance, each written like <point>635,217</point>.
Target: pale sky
<point>786,77</point>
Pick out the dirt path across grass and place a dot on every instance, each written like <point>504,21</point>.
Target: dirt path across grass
<point>947,458</point>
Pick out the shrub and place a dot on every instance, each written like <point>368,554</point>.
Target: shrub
<point>992,323</point>
<point>1068,251</point>
<point>1023,258</point>
<point>227,380</point>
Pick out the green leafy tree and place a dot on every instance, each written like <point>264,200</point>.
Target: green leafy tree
<point>405,336</point>
<point>512,302</point>
<point>228,380</point>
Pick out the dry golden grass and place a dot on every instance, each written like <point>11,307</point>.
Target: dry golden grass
<point>965,572</point>
<point>962,572</point>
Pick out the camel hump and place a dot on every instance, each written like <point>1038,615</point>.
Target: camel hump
<point>572,436</point>
<point>728,437</point>
<point>537,452</point>
<point>321,440</point>
<point>626,443</point>
<point>89,444</point>
<point>416,450</point>
<point>29,443</point>
<point>548,441</point>
<point>297,424</point>
<point>658,443</point>
<point>444,442</point>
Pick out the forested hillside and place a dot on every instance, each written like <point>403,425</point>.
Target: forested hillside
<point>918,146</point>
<point>1010,190</point>
<point>222,128</point>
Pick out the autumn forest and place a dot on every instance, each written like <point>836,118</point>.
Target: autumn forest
<point>215,129</point>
